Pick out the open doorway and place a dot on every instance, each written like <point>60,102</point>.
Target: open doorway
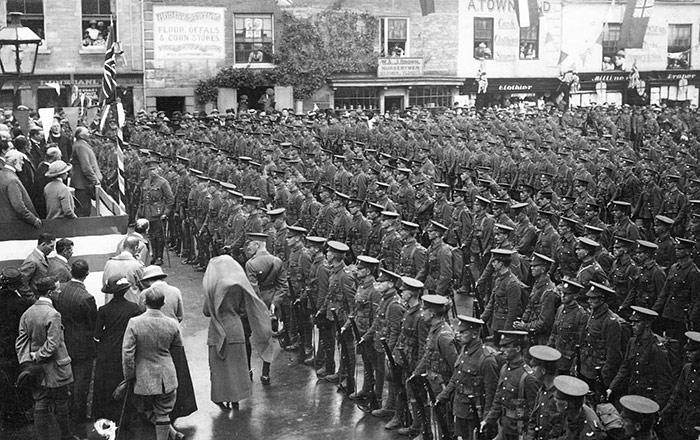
<point>170,104</point>
<point>393,103</point>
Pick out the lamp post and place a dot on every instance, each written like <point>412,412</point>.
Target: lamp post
<point>18,48</point>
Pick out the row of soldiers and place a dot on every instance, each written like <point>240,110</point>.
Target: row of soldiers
<point>433,201</point>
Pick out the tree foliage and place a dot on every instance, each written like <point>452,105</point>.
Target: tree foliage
<point>309,51</point>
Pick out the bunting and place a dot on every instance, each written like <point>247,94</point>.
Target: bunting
<point>527,12</point>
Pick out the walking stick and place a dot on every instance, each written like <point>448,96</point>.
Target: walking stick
<point>165,240</point>
<point>121,415</point>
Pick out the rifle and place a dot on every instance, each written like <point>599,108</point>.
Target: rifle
<point>344,353</point>
<point>600,384</point>
<point>439,409</point>
<point>397,377</point>
<point>418,392</point>
<point>366,360</point>
<point>477,313</point>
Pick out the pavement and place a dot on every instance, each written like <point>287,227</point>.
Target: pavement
<point>295,406</point>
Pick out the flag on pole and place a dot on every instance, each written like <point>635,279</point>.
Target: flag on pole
<point>527,13</point>
<point>634,24</point>
<point>109,77</point>
<point>108,96</point>
<point>427,7</point>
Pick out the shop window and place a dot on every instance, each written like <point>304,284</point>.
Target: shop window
<point>357,98</point>
<point>678,46</point>
<point>33,11</point>
<point>611,35</point>
<point>530,42</point>
<point>253,38</point>
<point>394,34</point>
<point>430,96</point>
<point>96,19</point>
<point>483,38</point>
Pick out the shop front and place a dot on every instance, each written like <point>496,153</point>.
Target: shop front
<point>399,82</point>
<point>69,90</point>
<point>670,87</point>
<point>503,92</point>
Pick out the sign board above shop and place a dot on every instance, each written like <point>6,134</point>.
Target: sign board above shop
<point>400,67</point>
<point>188,32</point>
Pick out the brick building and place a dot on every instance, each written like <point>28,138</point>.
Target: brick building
<point>427,56</point>
<point>72,51</point>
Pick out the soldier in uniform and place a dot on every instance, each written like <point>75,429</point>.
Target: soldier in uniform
<point>506,301</point>
<point>278,245</point>
<point>438,272</point>
<point>410,344</point>
<point>310,207</point>
<point>323,223</point>
<point>441,351</point>
<point>516,391</point>
<point>235,225</point>
<point>666,254</point>
<point>481,237</point>
<point>639,416</point>
<point>544,422</point>
<point>675,204</point>
<point>647,287</point>
<point>474,379</point>
<point>295,312</point>
<point>390,247</point>
<point>316,287</point>
<point>424,205</point>
<point>386,324</point>
<point>360,228</point>
<point>649,202</point>
<point>156,204</point>
<point>623,226</point>
<point>623,275</point>
<point>679,301</point>
<point>414,257</point>
<point>340,226</point>
<point>580,421</point>
<point>602,256</point>
<point>566,263</point>
<point>547,237</point>
<point>341,293</point>
<point>601,352</point>
<point>442,209</point>
<point>268,277</point>
<point>682,412</point>
<point>569,326</point>
<point>407,195</point>
<point>374,241</point>
<point>646,369</point>
<point>364,310</point>
<point>589,270</point>
<point>525,235</point>
<point>183,180</point>
<point>542,305</point>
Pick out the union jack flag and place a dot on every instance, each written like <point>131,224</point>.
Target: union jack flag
<point>109,78</point>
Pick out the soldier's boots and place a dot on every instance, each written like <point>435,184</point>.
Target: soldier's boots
<point>415,428</point>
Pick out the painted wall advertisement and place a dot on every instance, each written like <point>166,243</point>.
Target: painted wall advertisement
<point>188,32</point>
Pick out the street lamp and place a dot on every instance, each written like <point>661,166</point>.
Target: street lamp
<point>18,48</point>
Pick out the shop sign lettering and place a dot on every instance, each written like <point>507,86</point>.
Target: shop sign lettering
<point>499,6</point>
<point>188,32</point>
<point>399,66</point>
